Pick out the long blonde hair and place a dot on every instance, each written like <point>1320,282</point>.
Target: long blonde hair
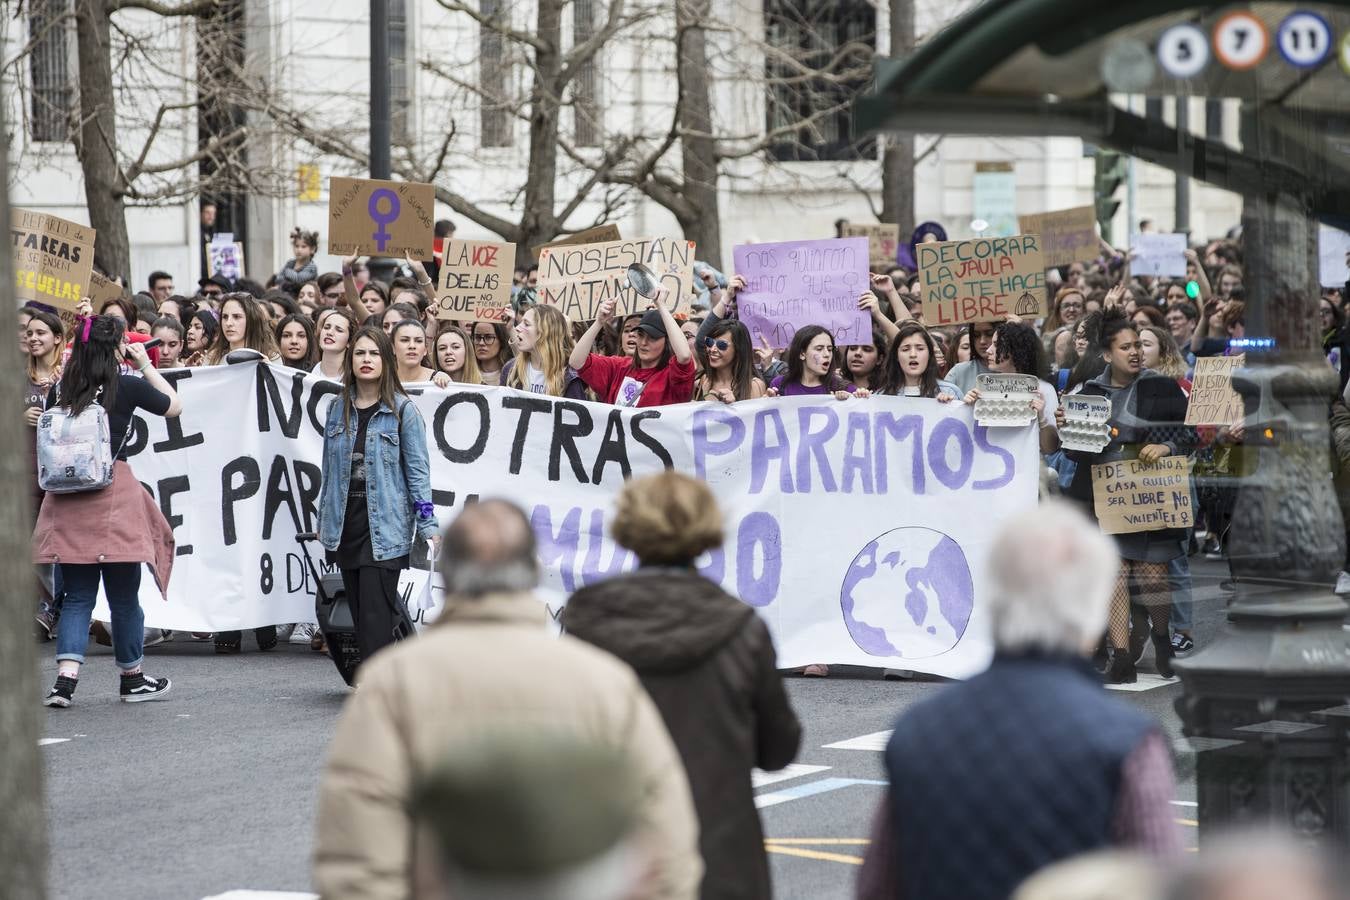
<point>1170,361</point>
<point>470,374</point>
<point>550,351</point>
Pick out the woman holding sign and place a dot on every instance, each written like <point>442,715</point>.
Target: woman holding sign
<point>660,371</point>
<point>1016,350</point>
<point>811,364</point>
<point>911,368</point>
<point>376,492</point>
<point>1148,412</point>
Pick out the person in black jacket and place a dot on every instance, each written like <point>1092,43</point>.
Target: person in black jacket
<point>707,661</point>
<point>1148,412</point>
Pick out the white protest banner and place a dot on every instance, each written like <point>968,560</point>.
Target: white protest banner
<point>1087,424</point>
<point>475,280</point>
<point>858,530</point>
<point>798,283</point>
<point>1213,400</point>
<point>1158,254</point>
<point>983,280</point>
<point>578,278</point>
<point>1333,257</point>
<point>1130,496</point>
<point>1005,399</point>
<point>1067,235</point>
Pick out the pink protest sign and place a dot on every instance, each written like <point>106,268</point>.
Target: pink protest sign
<point>798,283</point>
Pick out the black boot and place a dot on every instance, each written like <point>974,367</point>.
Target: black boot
<point>266,637</point>
<point>1139,629</point>
<point>1122,668</point>
<point>1162,655</point>
<point>228,641</point>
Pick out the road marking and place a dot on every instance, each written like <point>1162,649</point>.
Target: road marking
<point>815,854</point>
<point>810,789</point>
<point>1190,822</point>
<point>1202,744</point>
<point>43,742</point>
<point>818,842</point>
<point>1184,803</point>
<point>876,742</point>
<point>759,778</point>
<point>1146,682</point>
<point>1275,726</point>
<point>262,895</point>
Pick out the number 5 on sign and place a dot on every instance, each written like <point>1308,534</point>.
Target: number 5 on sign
<point>380,218</point>
<point>1183,51</point>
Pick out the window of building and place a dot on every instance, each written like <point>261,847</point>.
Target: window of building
<point>49,63</point>
<point>818,60</point>
<point>494,113</point>
<point>586,85</point>
<point>1214,119</point>
<point>400,87</point>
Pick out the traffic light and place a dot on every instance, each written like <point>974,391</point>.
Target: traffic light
<point>1110,171</point>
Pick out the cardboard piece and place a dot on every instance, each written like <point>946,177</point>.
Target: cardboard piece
<point>984,280</point>
<point>578,278</point>
<point>380,218</point>
<point>475,280</point>
<point>1158,255</point>
<point>600,234</point>
<point>1130,496</point>
<point>882,239</point>
<point>1086,423</point>
<point>53,258</point>
<point>1067,235</point>
<point>798,283</point>
<point>102,289</point>
<point>1213,399</point>
<point>225,259</point>
<point>1005,399</point>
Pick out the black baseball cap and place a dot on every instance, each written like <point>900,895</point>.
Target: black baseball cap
<point>218,280</point>
<point>653,324</point>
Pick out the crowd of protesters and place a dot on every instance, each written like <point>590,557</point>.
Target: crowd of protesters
<point>1108,332</point>
<point>675,680</point>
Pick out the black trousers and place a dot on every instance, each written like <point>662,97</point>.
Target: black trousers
<point>372,594</point>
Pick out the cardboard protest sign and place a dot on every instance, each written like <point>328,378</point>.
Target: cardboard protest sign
<point>913,491</point>
<point>1086,423</point>
<point>1130,495</point>
<point>1213,400</point>
<point>475,280</point>
<point>1158,254</point>
<point>53,258</point>
<point>1067,235</point>
<point>226,259</point>
<point>600,234</point>
<point>882,239</point>
<point>1005,399</point>
<point>799,283</point>
<point>983,280</point>
<point>102,289</point>
<point>577,279</point>
<point>380,218</point>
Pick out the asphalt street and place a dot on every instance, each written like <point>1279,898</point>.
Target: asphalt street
<point>212,789</point>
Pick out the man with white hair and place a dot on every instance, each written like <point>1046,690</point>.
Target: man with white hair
<point>1031,761</point>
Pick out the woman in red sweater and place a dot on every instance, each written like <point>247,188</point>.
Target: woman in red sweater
<point>659,372</point>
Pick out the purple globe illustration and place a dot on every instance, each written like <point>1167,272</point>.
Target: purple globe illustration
<point>908,594</point>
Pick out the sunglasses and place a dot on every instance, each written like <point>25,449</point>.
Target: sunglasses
<point>714,342</point>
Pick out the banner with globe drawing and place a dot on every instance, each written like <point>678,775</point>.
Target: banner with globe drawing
<point>857,529</point>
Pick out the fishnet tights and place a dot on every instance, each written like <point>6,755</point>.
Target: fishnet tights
<point>1143,584</point>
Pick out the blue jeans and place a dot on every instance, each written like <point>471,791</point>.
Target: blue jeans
<point>121,584</point>
<point>1179,580</point>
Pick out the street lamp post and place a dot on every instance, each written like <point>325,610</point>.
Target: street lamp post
<point>1265,706</point>
<point>380,268</point>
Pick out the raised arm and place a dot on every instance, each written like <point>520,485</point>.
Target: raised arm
<point>582,348</point>
<point>423,280</point>
<point>679,344</point>
<point>1201,279</point>
<point>882,284</point>
<point>1201,332</point>
<point>352,295</point>
<point>869,302</point>
<point>136,353</point>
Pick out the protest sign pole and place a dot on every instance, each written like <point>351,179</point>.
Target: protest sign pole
<point>23,834</point>
<point>381,268</point>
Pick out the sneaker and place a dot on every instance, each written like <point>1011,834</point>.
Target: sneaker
<point>284,632</point>
<point>46,621</point>
<point>816,670</point>
<point>140,687</point>
<point>1182,643</point>
<point>303,633</point>
<point>61,692</point>
<point>1343,584</point>
<point>155,636</point>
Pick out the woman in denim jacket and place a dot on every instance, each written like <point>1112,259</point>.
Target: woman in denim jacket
<point>376,492</point>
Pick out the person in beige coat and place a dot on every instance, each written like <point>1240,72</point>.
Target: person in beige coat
<point>488,665</point>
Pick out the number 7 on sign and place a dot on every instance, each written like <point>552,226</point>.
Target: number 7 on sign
<point>383,219</point>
